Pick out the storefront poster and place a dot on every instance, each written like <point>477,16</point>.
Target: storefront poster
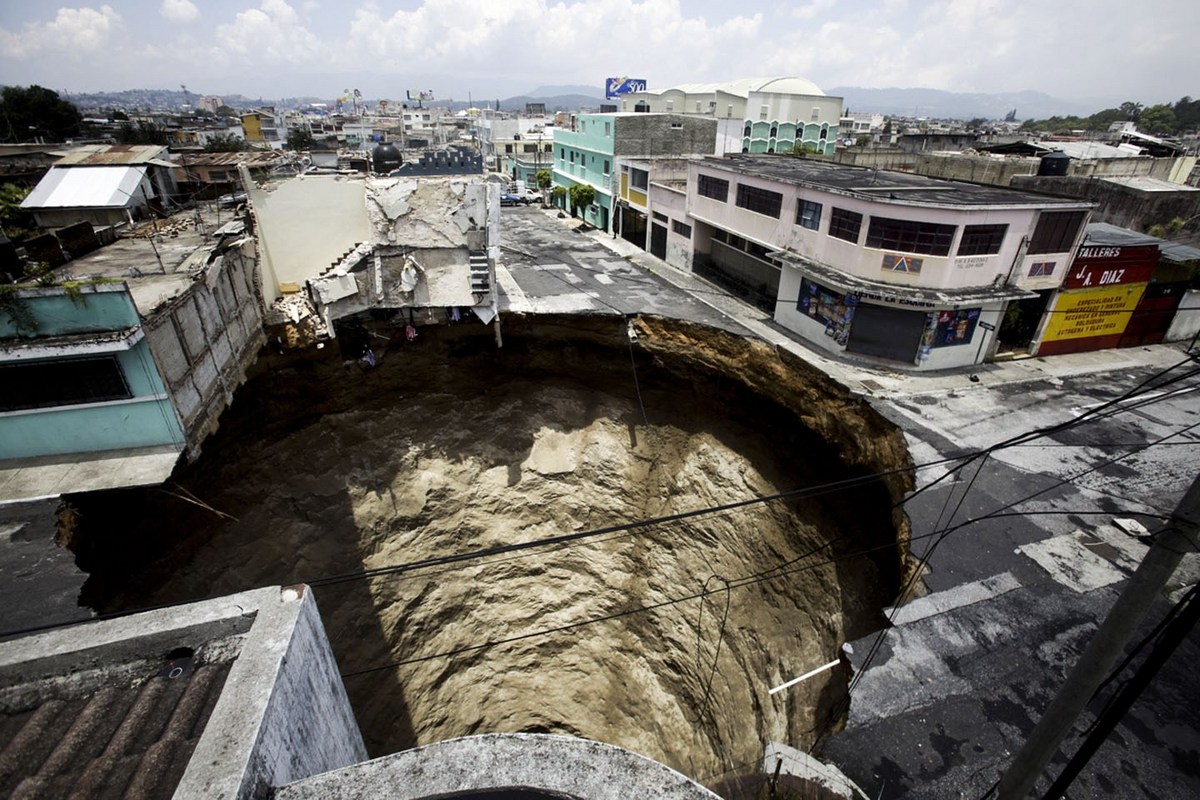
<point>955,327</point>
<point>835,311</point>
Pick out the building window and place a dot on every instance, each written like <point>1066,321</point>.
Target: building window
<point>607,167</point>
<point>808,215</point>
<point>910,237</point>
<point>682,229</point>
<point>639,179</point>
<point>716,188</point>
<point>562,153</point>
<point>508,148</point>
<point>660,217</point>
<point>816,113</point>
<point>760,201</point>
<point>747,130</point>
<point>549,148</point>
<point>529,148</point>
<point>1041,269</point>
<point>762,112</point>
<point>608,129</point>
<point>62,382</point>
<point>982,240</point>
<point>670,105</point>
<point>1056,231</point>
<point>572,156</point>
<point>845,224</point>
<point>676,126</point>
<point>583,126</point>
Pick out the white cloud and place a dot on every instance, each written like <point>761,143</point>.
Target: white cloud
<point>179,10</point>
<point>72,32</point>
<point>545,41</point>
<point>271,33</point>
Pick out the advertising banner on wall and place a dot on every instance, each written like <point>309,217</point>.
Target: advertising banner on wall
<point>1090,319</point>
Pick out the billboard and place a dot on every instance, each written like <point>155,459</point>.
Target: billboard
<point>424,95</point>
<point>615,87</point>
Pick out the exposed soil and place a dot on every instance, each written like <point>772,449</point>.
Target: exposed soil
<point>447,446</point>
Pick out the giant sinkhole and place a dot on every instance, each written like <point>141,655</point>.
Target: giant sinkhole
<point>663,637</point>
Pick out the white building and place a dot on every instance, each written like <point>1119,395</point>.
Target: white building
<point>755,115</point>
<point>899,267</point>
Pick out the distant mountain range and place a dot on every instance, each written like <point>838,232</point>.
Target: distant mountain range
<point>938,104</point>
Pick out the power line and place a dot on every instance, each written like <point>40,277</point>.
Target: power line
<point>774,572</point>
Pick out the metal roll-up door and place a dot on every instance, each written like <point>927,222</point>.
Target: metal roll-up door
<point>890,333</point>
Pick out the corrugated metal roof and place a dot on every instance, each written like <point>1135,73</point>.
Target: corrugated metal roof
<point>85,187</point>
<point>110,155</point>
<point>231,159</point>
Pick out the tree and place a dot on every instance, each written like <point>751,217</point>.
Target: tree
<point>976,123</point>
<point>862,140</point>
<point>141,132</point>
<point>28,113</point>
<point>227,111</point>
<point>805,149</point>
<point>543,179</point>
<point>1157,119</point>
<point>300,139</point>
<point>1131,110</point>
<point>225,143</point>
<point>17,223</point>
<point>557,194</point>
<point>117,115</point>
<point>581,196</point>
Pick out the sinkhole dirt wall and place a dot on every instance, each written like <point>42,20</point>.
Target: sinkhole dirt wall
<point>663,638</point>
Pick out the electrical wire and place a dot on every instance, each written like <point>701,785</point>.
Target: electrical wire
<point>755,578</point>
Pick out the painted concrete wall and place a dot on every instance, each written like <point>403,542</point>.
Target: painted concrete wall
<point>146,419</point>
<point>867,262</point>
<point>1186,323</point>
<point>96,308</point>
<point>673,203</point>
<point>305,225</point>
<point>204,341</point>
<point>975,350</point>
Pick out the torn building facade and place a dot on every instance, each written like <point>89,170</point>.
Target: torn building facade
<point>335,248</point>
<point>127,356</point>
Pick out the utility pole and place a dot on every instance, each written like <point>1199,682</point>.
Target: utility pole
<point>1181,535</point>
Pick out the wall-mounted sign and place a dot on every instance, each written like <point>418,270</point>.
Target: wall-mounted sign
<point>897,263</point>
<point>1093,313</point>
<point>615,87</point>
<point>1111,266</point>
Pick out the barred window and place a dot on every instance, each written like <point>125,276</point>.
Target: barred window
<point>982,240</point>
<point>660,216</point>
<point>716,188</point>
<point>845,224</point>
<point>1056,231</point>
<point>62,382</point>
<point>682,229</point>
<point>910,237</point>
<point>760,201</point>
<point>808,215</point>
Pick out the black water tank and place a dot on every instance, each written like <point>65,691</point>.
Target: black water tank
<point>385,158</point>
<point>1054,164</point>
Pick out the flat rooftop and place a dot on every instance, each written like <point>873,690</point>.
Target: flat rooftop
<point>882,185</point>
<point>159,259</point>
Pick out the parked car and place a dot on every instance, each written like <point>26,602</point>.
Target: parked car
<point>511,200</point>
<point>530,196</point>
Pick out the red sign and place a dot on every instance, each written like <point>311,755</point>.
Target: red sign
<point>1097,266</point>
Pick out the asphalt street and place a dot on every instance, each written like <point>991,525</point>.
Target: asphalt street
<point>1035,554</point>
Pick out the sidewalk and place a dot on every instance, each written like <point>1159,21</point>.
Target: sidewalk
<point>880,381</point>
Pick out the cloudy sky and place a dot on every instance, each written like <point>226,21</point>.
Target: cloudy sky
<point>1101,50</point>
